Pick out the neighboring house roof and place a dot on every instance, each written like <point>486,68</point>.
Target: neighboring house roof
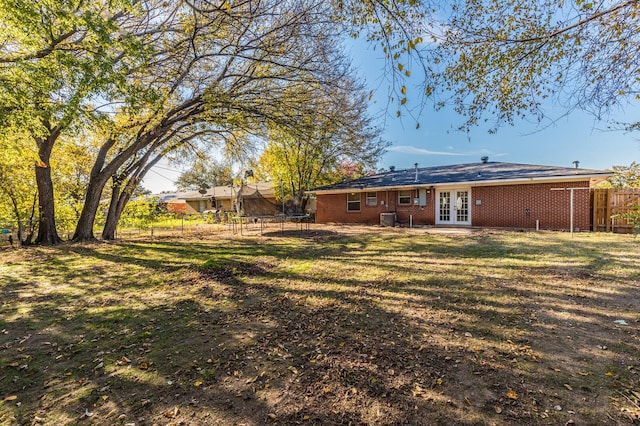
<point>484,173</point>
<point>227,192</point>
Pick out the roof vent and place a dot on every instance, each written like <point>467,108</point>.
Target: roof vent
<point>576,164</point>
<point>416,166</point>
<point>484,159</point>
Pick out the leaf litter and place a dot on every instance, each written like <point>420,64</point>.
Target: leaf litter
<point>263,344</point>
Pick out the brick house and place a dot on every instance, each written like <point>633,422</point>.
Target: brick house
<point>487,194</point>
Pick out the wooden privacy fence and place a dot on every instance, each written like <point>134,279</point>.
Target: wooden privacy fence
<point>606,204</point>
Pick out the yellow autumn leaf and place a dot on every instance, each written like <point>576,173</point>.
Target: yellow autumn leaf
<point>403,90</point>
<point>403,101</point>
<point>11,398</point>
<point>608,373</point>
<point>400,67</point>
<point>197,384</point>
<point>511,394</point>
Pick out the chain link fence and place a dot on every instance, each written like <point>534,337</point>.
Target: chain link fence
<point>129,227</point>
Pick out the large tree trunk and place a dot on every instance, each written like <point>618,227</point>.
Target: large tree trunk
<point>113,216</point>
<point>102,171</point>
<point>97,179</point>
<point>84,228</point>
<point>119,200</point>
<point>47,231</point>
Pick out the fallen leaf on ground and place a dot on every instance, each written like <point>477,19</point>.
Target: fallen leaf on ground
<point>511,394</point>
<point>419,391</point>
<point>171,414</point>
<point>123,361</point>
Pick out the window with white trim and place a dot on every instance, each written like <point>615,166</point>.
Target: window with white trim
<point>353,202</point>
<point>371,199</point>
<point>404,198</point>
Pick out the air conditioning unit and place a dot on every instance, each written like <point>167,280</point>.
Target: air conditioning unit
<point>387,219</point>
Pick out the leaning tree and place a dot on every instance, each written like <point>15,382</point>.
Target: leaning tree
<point>228,73</point>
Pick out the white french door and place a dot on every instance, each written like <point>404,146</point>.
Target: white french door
<point>453,207</point>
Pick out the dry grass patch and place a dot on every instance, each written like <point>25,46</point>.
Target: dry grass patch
<point>379,326</point>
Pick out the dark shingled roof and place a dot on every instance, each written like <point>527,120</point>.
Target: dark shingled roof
<point>463,173</point>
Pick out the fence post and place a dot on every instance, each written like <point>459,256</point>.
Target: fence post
<point>608,204</point>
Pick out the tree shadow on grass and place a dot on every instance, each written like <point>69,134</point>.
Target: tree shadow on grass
<point>231,334</point>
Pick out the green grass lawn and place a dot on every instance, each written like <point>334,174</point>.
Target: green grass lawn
<point>327,326</point>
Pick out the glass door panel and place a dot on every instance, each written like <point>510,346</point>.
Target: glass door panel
<point>453,207</point>
<point>462,206</point>
<point>444,210</point>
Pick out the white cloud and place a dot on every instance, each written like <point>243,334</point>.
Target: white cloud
<point>408,149</point>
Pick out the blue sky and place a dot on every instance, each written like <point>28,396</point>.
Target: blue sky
<point>557,142</point>
<point>574,137</point>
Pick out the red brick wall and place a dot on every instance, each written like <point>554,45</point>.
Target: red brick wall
<point>518,206</point>
<point>509,206</point>
<point>333,208</point>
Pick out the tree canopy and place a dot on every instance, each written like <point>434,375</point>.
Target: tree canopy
<point>149,78</point>
<point>118,85</point>
<point>625,176</point>
<point>502,59</point>
<point>336,129</point>
<point>205,172</point>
